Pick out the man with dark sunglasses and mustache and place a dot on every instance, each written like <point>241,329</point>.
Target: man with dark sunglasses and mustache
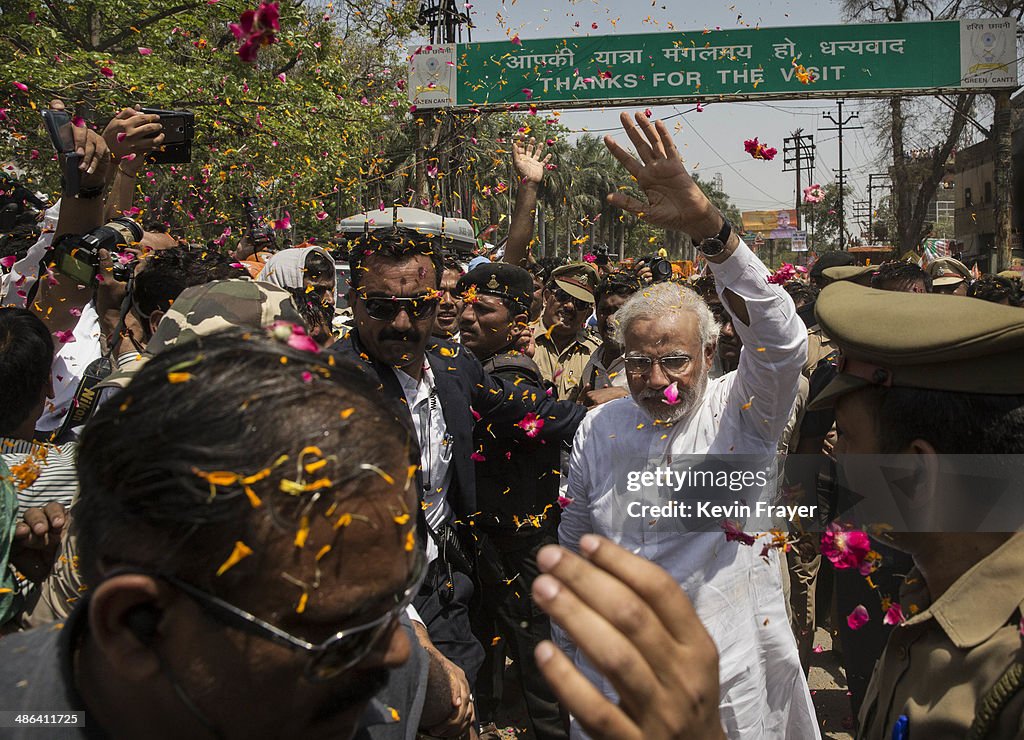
<point>395,278</point>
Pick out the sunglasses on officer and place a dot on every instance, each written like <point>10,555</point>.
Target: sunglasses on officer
<point>328,659</point>
<point>387,308</point>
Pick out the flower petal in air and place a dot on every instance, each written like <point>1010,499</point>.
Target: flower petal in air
<point>858,617</point>
<point>240,552</point>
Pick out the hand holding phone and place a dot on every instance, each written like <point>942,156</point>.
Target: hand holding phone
<point>178,132</point>
<point>133,132</point>
<point>62,136</point>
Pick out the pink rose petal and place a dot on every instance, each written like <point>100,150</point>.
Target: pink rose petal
<point>145,52</point>
<point>858,617</point>
<point>893,615</point>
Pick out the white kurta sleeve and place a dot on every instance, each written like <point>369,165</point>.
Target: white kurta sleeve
<point>774,350</point>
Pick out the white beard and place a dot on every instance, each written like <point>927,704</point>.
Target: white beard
<point>653,403</point>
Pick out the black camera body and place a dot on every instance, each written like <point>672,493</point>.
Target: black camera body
<point>78,255</point>
<point>661,268</point>
<point>261,236</point>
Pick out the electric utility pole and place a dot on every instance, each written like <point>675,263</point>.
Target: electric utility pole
<point>841,124</point>
<point>871,200</point>
<point>797,155</point>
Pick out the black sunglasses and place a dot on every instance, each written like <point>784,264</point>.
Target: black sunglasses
<point>328,659</point>
<point>387,309</point>
<point>562,297</point>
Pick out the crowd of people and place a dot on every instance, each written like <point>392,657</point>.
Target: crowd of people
<point>232,508</point>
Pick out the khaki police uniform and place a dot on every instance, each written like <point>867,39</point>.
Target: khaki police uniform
<point>565,368</point>
<point>941,667</point>
<point>955,667</point>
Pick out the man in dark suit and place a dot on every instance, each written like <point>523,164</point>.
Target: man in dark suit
<point>395,278</point>
<point>517,499</point>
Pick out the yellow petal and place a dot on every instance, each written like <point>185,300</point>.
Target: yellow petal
<point>179,377</point>
<point>315,466</point>
<point>401,519</point>
<point>343,521</point>
<point>410,540</point>
<point>347,413</point>
<point>303,533</point>
<point>240,552</point>
<point>323,551</point>
<point>302,603</point>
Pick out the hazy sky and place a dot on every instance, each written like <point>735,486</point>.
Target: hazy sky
<point>711,141</point>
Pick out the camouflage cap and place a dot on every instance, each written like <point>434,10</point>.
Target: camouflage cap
<point>913,340</point>
<point>206,309</point>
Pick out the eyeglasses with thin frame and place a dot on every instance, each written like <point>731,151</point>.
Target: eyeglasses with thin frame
<point>388,308</point>
<point>642,364</point>
<point>328,659</point>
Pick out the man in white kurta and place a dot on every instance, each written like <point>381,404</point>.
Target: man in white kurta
<point>737,593</point>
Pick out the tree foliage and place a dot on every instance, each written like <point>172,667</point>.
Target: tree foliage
<point>821,220</point>
<point>294,128</point>
<point>930,128</point>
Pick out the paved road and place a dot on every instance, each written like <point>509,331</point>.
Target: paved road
<point>826,680</point>
<point>828,689</point>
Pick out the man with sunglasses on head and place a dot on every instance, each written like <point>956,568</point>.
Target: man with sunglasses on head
<point>681,419</point>
<point>247,562</point>
<point>395,278</point>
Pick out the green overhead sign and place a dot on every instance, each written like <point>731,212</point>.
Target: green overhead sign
<point>808,61</point>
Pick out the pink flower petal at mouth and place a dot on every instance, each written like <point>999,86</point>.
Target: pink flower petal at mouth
<point>858,617</point>
<point>671,395</point>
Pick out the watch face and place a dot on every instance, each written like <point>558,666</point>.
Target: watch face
<point>711,247</point>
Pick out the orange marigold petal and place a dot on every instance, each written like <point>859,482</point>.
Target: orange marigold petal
<point>253,498</point>
<point>240,552</point>
<point>303,533</point>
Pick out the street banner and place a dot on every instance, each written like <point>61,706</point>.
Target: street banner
<point>866,60</point>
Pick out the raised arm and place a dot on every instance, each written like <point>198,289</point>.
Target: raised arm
<point>529,166</point>
<point>130,135</point>
<point>674,201</point>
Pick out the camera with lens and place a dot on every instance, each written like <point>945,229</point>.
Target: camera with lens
<point>261,236</point>
<point>78,255</point>
<point>661,268</point>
